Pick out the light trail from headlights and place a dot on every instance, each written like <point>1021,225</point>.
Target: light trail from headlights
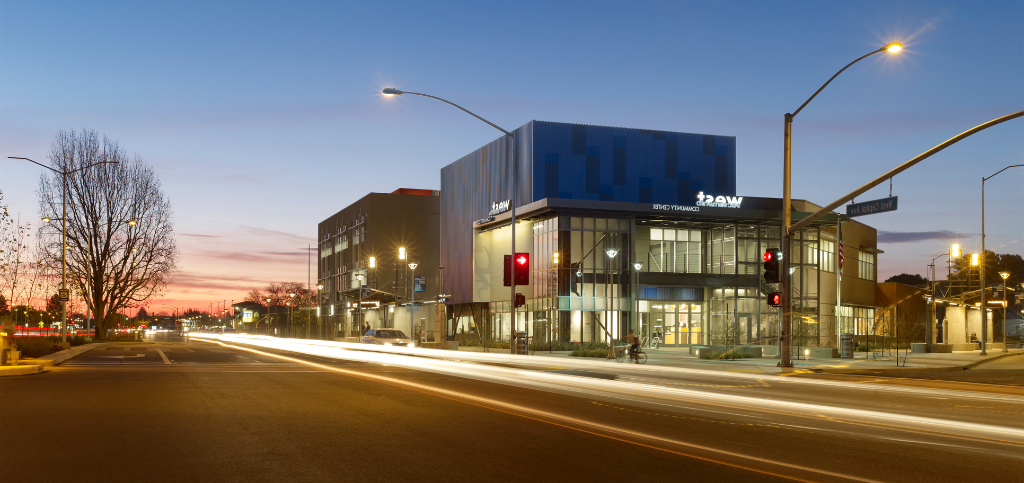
<point>630,391</point>
<point>633,369</point>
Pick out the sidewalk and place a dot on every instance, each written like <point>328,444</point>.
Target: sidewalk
<point>916,362</point>
<point>33,366</point>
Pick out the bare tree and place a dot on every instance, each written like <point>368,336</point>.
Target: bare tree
<point>120,235</point>
<point>15,255</point>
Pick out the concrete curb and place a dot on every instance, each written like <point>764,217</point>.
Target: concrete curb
<point>964,367</point>
<point>20,370</point>
<point>58,357</point>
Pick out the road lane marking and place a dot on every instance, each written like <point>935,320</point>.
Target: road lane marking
<point>572,423</point>
<point>163,356</point>
<point>122,357</point>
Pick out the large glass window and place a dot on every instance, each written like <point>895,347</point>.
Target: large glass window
<point>866,265</point>
<point>722,259</point>
<point>827,256</point>
<point>674,251</point>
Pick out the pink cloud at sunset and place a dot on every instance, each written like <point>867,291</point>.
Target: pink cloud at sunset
<point>227,264</point>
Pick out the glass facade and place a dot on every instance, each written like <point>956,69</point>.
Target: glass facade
<point>708,286</point>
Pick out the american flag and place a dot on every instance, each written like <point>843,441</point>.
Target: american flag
<point>841,258</point>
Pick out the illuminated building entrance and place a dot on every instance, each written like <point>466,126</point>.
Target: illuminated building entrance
<point>674,324</point>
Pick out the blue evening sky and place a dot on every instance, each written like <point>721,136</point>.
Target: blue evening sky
<point>263,118</point>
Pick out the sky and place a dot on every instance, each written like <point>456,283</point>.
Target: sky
<point>263,118</point>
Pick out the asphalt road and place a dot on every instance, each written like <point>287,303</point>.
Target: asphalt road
<point>198,411</point>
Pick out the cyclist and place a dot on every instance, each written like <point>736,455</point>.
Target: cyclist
<point>634,344</point>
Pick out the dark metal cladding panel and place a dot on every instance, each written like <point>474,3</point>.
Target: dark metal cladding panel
<point>468,187</point>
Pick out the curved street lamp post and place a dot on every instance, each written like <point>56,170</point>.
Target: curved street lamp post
<point>64,240</point>
<point>391,91</point>
<point>786,208</point>
<point>984,309</point>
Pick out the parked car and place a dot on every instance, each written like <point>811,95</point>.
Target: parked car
<point>390,337</point>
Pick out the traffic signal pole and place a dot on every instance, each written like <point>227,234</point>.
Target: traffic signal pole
<point>787,221</point>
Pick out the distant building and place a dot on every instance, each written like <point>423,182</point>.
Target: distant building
<point>377,228</point>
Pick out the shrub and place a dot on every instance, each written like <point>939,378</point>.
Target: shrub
<point>600,353</point>
<point>32,347</point>
<point>568,346</point>
<point>736,354</point>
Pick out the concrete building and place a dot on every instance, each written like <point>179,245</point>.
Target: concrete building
<point>364,252</point>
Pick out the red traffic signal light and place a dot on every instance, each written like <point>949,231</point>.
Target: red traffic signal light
<point>520,300</point>
<point>775,299</point>
<point>771,265</point>
<point>522,269</point>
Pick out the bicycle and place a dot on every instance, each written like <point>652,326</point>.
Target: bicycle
<point>638,357</point>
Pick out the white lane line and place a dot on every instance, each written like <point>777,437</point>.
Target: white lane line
<point>617,433</point>
<point>163,356</point>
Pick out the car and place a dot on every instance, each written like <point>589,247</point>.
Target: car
<point>388,337</point>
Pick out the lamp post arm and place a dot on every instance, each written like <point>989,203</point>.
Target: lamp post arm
<point>40,164</point>
<point>463,109</point>
<point>62,172</point>
<point>1004,169</point>
<point>808,101</point>
<point>899,169</point>
<point>91,165</point>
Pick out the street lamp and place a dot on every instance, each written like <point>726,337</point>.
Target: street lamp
<point>953,254</point>
<point>1005,275</point>
<point>64,240</point>
<point>319,304</point>
<point>359,277</point>
<point>786,203</point>
<point>291,328</point>
<point>412,308</point>
<point>636,295</point>
<point>391,91</point>
<point>611,252</point>
<point>984,313</point>
<point>268,317</point>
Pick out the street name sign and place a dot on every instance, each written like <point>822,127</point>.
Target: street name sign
<point>871,207</point>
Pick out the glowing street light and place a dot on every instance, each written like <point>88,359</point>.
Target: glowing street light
<point>514,181</point>
<point>787,219</point>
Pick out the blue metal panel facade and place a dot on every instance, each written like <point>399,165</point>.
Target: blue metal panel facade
<point>582,162</point>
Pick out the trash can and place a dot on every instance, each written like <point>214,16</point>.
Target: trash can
<point>522,342</point>
<point>846,346</point>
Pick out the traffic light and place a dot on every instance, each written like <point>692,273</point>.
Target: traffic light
<point>522,272</point>
<point>771,265</point>
<point>775,299</point>
<point>520,300</point>
<point>521,269</point>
